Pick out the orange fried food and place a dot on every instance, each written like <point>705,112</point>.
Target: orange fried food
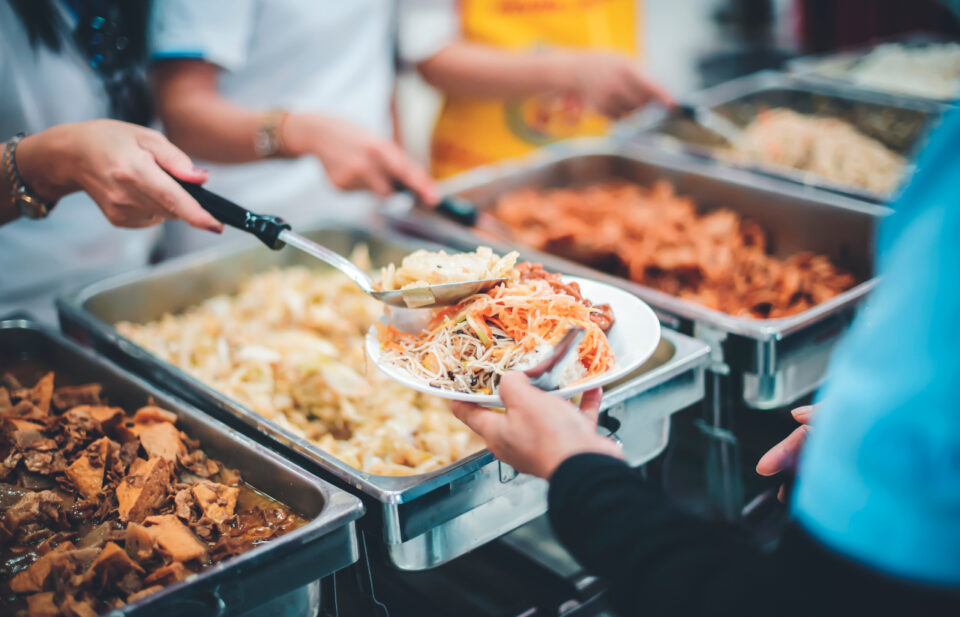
<point>659,239</point>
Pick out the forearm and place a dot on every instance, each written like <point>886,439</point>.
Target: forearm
<point>200,121</point>
<point>207,126</point>
<point>650,553</point>
<point>469,69</point>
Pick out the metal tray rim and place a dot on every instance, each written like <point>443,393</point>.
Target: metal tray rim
<point>387,489</point>
<point>804,67</point>
<point>340,508</point>
<point>763,330</point>
<point>646,129</point>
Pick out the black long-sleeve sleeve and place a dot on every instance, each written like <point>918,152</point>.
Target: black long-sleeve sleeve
<point>658,560</point>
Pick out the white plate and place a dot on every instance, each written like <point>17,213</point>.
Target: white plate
<point>633,338</point>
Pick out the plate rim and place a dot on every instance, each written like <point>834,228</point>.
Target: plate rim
<point>372,343</point>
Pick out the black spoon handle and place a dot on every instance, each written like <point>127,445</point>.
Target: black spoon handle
<point>266,227</point>
<point>686,111</point>
<point>454,208</point>
<point>458,210</point>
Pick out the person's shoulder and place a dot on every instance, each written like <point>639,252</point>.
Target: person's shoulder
<point>201,30</point>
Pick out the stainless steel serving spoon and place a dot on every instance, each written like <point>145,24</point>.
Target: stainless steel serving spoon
<point>275,233</point>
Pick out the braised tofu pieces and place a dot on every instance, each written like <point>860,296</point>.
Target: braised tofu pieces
<point>101,508</point>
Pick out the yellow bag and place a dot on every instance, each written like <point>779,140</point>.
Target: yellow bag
<point>471,132</point>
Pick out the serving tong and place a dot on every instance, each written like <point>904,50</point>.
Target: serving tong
<point>546,375</point>
<point>464,212</point>
<point>712,121</point>
<point>276,233</point>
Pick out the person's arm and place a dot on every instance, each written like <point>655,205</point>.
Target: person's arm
<point>617,527</point>
<point>658,560</point>
<point>124,168</point>
<point>200,120</point>
<point>651,554</point>
<point>611,83</point>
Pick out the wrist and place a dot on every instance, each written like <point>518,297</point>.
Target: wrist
<point>300,134</point>
<point>562,70</point>
<point>599,445</point>
<point>44,166</point>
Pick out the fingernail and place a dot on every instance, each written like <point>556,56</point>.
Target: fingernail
<point>800,413</point>
<point>199,170</point>
<point>217,229</point>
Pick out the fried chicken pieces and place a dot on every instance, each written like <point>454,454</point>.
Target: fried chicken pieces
<point>100,509</point>
<point>658,239</point>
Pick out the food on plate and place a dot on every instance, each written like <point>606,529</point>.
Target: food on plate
<point>423,268</point>
<point>289,345</point>
<point>931,70</point>
<point>828,147</point>
<point>512,326</point>
<point>658,239</point>
<point>102,508</point>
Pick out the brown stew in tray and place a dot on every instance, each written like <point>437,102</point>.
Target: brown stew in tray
<point>101,507</point>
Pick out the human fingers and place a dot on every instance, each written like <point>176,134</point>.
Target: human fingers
<point>590,404</point>
<point>123,215</point>
<point>804,414</point>
<point>377,181</point>
<point>171,198</point>
<point>622,100</point>
<point>644,88</point>
<point>171,158</point>
<point>520,398</point>
<point>403,169</point>
<point>482,421</point>
<point>784,454</point>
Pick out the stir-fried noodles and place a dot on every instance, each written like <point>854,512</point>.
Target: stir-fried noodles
<point>467,347</point>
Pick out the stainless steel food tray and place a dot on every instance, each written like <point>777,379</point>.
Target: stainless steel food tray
<point>423,520</point>
<point>901,123</point>
<point>831,68</point>
<point>777,361</point>
<point>327,543</point>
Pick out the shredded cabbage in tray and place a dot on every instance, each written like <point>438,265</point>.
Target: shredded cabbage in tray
<point>290,346</point>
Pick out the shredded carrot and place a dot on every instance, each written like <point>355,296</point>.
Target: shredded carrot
<point>532,312</point>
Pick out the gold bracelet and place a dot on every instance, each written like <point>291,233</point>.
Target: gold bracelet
<point>23,201</point>
<point>268,140</point>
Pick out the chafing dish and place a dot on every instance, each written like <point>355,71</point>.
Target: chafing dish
<point>422,520</point>
<point>833,68</point>
<point>901,123</point>
<point>773,362</point>
<point>278,576</point>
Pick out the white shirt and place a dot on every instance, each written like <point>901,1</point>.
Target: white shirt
<point>40,88</point>
<point>331,57</point>
<point>424,27</point>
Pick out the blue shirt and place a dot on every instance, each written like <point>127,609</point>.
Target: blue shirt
<point>879,478</point>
